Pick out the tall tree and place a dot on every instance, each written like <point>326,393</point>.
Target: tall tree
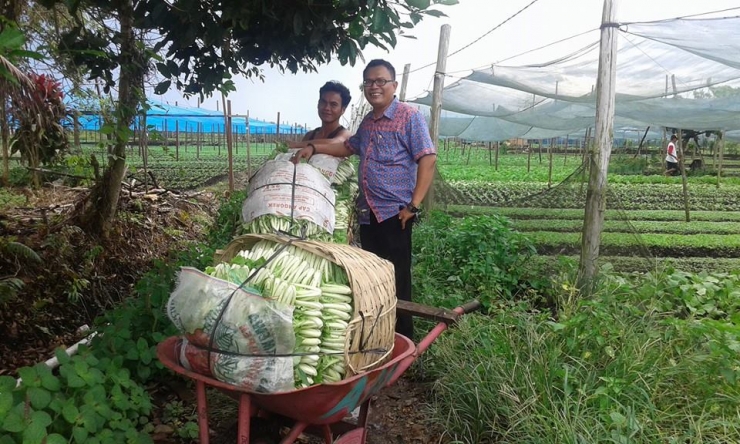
<point>205,43</point>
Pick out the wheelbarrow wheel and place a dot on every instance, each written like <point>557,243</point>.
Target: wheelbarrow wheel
<point>356,436</point>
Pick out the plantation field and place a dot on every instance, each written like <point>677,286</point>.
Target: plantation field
<point>645,213</point>
<point>645,219</point>
<point>189,167</point>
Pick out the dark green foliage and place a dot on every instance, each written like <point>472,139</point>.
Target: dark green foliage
<point>90,400</point>
<point>478,256</point>
<point>229,220</point>
<point>98,395</point>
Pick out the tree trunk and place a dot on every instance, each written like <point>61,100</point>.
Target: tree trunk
<point>100,209</point>
<point>5,133</point>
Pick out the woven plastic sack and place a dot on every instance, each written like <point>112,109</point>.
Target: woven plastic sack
<point>241,340</point>
<point>299,191</point>
<point>323,162</point>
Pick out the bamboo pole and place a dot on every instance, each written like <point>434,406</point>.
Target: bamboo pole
<point>177,140</point>
<point>144,147</point>
<point>198,139</point>
<point>439,79</point>
<point>721,155</point>
<point>249,155</point>
<point>404,82</point>
<point>230,146</point>
<point>549,168</point>
<point>599,159</point>
<point>277,128</point>
<point>682,169</point>
<point>76,137</point>
<point>498,147</point>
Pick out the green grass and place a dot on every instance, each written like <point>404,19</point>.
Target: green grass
<point>629,364</point>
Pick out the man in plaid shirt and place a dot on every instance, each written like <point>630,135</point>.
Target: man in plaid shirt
<point>397,159</point>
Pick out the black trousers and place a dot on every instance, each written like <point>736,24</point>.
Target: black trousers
<point>387,240</point>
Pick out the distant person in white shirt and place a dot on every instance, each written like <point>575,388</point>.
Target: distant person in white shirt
<point>671,158</point>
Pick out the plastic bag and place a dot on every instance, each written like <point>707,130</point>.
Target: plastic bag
<point>250,329</point>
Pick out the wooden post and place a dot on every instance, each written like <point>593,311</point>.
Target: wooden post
<point>439,79</point>
<point>404,82</point>
<point>498,147</point>
<point>721,155</point>
<point>682,169</point>
<point>77,130</point>
<point>277,129</point>
<point>249,155</point>
<point>599,159</point>
<point>490,153</point>
<point>540,150</point>
<point>549,169</point>
<point>144,147</point>
<point>198,139</point>
<point>177,140</point>
<point>230,146</point>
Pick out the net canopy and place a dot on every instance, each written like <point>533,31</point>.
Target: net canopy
<point>678,73</point>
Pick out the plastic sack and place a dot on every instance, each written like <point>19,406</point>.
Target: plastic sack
<point>250,325</point>
<point>325,163</point>
<point>272,191</point>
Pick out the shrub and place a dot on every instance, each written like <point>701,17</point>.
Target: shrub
<point>478,256</point>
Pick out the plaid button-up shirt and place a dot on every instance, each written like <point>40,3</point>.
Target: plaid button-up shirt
<point>389,149</point>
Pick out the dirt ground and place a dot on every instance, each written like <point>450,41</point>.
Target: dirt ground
<point>33,326</point>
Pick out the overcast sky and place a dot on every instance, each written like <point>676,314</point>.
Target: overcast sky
<point>546,21</point>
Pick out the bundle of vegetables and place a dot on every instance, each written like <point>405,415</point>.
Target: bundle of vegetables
<point>345,172</point>
<point>271,223</point>
<point>318,291</point>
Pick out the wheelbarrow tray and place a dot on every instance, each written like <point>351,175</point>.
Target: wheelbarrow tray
<point>318,404</point>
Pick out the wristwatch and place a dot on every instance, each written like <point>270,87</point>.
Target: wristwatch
<point>413,208</point>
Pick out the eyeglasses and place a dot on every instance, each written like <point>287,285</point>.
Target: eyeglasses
<point>380,82</point>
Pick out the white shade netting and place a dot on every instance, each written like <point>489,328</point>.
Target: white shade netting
<point>681,73</point>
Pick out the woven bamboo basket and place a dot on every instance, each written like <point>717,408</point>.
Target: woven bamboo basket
<point>373,284</point>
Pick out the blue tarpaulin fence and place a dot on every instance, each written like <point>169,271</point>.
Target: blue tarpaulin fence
<point>163,117</point>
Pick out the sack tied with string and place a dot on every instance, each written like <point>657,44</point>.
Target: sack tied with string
<point>293,198</point>
<point>229,333</point>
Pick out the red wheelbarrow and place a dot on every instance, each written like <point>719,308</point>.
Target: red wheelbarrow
<point>322,405</point>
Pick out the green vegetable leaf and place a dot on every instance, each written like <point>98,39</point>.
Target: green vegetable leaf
<point>40,398</point>
<point>14,423</point>
<point>70,412</point>
<point>56,438</point>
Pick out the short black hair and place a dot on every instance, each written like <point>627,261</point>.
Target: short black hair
<point>334,86</point>
<point>380,62</point>
<point>674,137</point>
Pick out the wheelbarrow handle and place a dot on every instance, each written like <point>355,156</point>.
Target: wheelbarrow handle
<point>470,307</point>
